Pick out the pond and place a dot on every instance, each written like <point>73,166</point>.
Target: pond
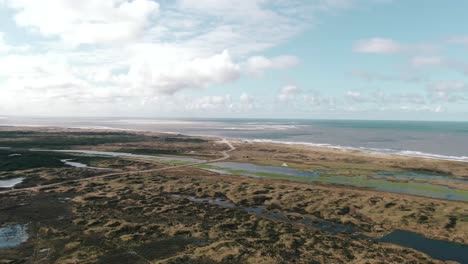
<point>75,164</point>
<point>437,249</point>
<point>13,236</point>
<point>10,183</point>
<point>129,155</point>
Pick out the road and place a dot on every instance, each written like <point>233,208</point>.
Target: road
<point>225,154</point>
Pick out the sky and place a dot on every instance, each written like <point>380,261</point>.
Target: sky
<point>316,59</point>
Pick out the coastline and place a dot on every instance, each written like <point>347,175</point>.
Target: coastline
<point>362,206</point>
<point>377,151</point>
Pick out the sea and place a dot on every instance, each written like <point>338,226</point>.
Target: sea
<point>429,139</point>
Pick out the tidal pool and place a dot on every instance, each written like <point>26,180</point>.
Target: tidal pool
<point>10,183</point>
<point>13,236</point>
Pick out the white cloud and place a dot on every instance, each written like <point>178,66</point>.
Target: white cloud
<point>126,56</point>
<point>377,46</point>
<point>448,91</point>
<point>383,99</point>
<point>316,100</point>
<point>210,103</point>
<point>153,74</point>
<point>423,61</point>
<point>288,93</point>
<point>85,21</point>
<point>257,65</point>
<point>356,97</point>
<point>391,46</point>
<point>246,102</point>
<point>242,27</point>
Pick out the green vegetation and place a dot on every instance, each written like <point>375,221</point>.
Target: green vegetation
<point>12,160</point>
<point>143,151</point>
<point>30,160</point>
<point>415,188</point>
<point>60,140</point>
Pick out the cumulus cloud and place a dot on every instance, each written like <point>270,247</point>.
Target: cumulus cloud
<point>257,65</point>
<point>391,46</point>
<point>85,21</point>
<point>383,99</point>
<point>126,56</point>
<point>246,102</point>
<point>314,99</point>
<point>288,93</point>
<point>377,46</point>
<point>153,75</point>
<point>138,50</point>
<point>448,91</point>
<point>210,103</point>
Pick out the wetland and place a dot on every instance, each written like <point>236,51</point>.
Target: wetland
<point>141,197</point>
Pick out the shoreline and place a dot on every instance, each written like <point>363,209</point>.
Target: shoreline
<point>364,150</point>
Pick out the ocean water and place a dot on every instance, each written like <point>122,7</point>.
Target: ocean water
<point>440,140</point>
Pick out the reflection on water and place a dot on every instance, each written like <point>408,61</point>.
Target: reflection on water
<point>12,236</point>
<point>10,183</point>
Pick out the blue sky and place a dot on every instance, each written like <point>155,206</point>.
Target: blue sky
<point>344,59</point>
